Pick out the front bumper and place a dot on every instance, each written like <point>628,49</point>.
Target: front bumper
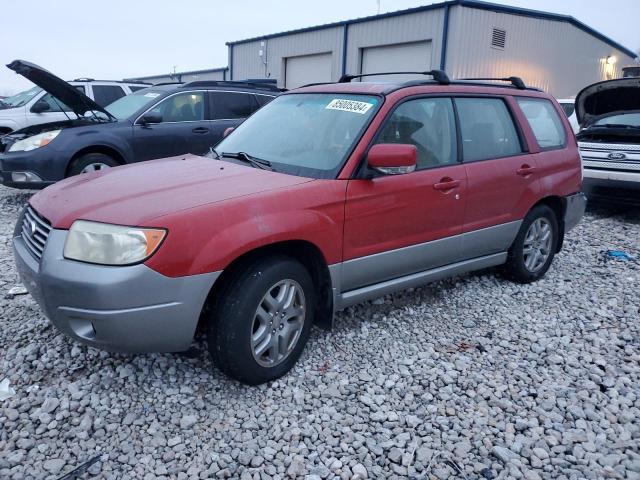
<point>610,186</point>
<point>6,178</point>
<point>44,165</point>
<point>131,309</point>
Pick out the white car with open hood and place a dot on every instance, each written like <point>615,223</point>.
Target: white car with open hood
<point>36,105</point>
<point>609,139</point>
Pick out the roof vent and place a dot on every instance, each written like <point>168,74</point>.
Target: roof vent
<point>498,38</point>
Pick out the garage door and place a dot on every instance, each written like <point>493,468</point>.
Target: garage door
<point>415,56</point>
<point>307,69</point>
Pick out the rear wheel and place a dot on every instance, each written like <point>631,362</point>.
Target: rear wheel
<point>92,162</point>
<point>533,249</point>
<point>262,319</point>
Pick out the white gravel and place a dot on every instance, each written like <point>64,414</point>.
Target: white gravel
<point>473,377</point>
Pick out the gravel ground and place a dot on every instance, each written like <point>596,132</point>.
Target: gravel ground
<point>473,377</point>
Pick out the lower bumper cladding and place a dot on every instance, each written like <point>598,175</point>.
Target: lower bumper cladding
<point>131,309</point>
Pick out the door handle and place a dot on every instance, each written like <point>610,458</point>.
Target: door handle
<point>446,184</point>
<point>200,130</point>
<point>525,170</point>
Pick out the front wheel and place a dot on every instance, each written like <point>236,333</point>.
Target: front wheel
<point>261,320</point>
<point>533,250</point>
<point>91,162</point>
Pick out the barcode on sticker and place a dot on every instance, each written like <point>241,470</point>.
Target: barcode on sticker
<point>349,105</point>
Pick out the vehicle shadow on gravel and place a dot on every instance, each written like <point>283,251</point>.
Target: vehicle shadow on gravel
<point>626,213</point>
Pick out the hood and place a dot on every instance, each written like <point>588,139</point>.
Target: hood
<point>604,98</point>
<point>141,193</point>
<point>69,95</point>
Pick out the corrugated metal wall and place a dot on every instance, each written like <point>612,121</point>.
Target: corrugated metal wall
<point>246,63</point>
<point>555,56</point>
<point>391,30</point>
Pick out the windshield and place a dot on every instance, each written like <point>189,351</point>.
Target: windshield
<point>306,134</point>
<point>22,98</point>
<point>126,106</point>
<point>623,120</point>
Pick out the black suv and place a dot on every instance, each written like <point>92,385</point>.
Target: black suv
<point>156,122</point>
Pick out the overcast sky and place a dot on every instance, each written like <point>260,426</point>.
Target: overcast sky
<point>116,38</point>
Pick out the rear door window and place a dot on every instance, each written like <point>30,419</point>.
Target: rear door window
<point>103,95</point>
<point>487,129</point>
<point>232,105</point>
<point>545,122</point>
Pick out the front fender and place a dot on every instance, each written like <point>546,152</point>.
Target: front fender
<point>209,238</point>
<point>5,123</point>
<point>263,230</point>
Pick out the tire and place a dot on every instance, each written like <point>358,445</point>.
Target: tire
<point>522,266</point>
<point>241,340</point>
<point>84,163</point>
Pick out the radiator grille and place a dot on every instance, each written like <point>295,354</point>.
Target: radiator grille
<point>35,231</point>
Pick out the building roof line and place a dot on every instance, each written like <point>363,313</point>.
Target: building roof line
<point>191,72</point>
<point>477,4</point>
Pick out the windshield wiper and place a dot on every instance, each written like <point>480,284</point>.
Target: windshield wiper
<point>250,159</point>
<point>212,154</point>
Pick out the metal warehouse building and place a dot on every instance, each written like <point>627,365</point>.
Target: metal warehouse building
<point>466,38</point>
<point>210,74</point>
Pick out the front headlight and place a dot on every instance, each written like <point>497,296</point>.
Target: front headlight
<point>37,141</point>
<point>107,244</point>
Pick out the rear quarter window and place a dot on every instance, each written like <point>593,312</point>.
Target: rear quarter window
<point>544,121</point>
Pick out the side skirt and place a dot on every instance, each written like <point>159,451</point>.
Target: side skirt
<point>346,299</point>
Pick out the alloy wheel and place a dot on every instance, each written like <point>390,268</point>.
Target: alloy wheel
<point>537,244</point>
<point>95,167</point>
<point>278,323</point>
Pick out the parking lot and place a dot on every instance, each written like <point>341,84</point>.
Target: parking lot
<point>473,377</point>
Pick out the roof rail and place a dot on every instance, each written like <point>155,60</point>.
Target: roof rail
<point>84,79</point>
<point>515,81</point>
<point>234,83</point>
<point>438,75</point>
<point>166,83</point>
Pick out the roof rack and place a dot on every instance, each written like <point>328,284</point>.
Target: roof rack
<point>515,81</point>
<point>234,83</point>
<point>87,79</point>
<point>166,83</point>
<point>438,75</point>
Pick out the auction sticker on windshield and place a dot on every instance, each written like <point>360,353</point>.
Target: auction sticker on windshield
<point>349,105</point>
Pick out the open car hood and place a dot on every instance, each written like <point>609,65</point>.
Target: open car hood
<point>607,97</point>
<point>67,94</point>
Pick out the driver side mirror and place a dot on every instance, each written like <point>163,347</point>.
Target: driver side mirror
<point>40,106</point>
<point>392,158</point>
<point>150,118</point>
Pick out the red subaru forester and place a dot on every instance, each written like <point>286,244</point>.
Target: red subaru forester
<point>330,195</point>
